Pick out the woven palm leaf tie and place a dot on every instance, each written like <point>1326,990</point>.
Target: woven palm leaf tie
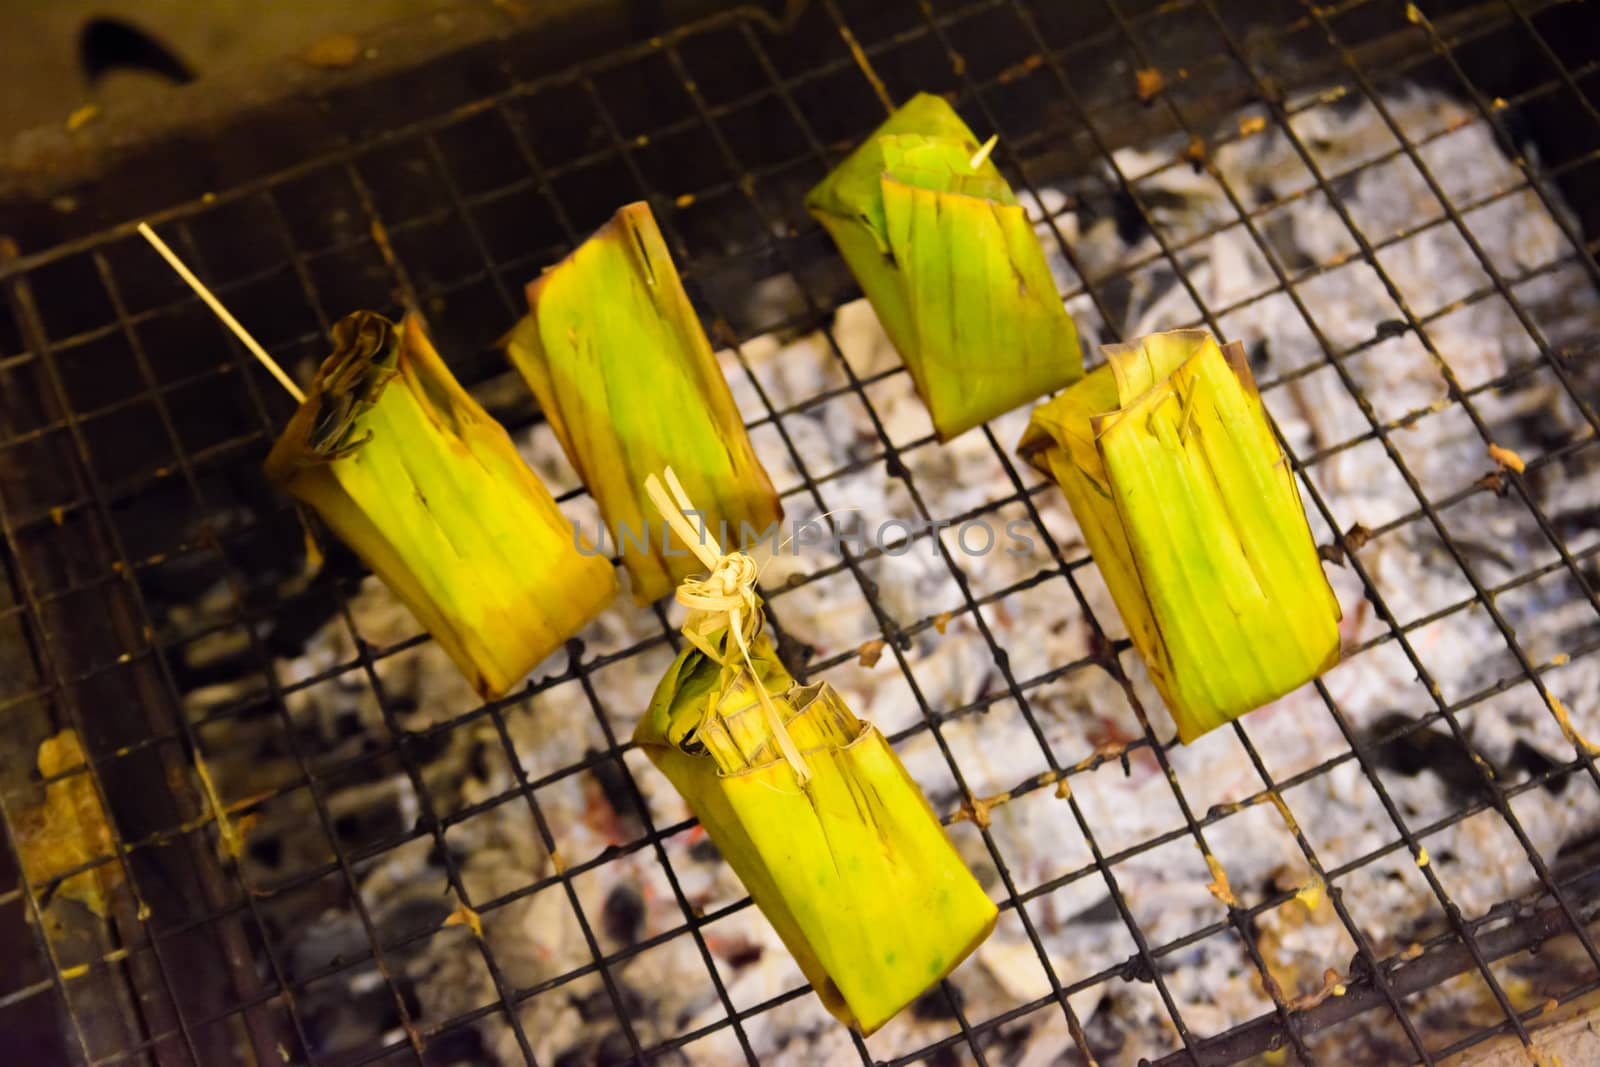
<point>724,600</point>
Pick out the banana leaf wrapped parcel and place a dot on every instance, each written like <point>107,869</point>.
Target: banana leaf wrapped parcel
<point>939,244</point>
<point>1192,515</point>
<point>614,353</point>
<point>407,469</point>
<point>810,806</point>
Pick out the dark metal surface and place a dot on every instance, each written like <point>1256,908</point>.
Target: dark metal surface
<point>133,426</point>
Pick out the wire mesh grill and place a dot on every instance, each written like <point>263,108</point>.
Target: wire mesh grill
<point>452,213</point>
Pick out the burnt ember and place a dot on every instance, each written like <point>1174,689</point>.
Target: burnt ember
<point>623,914</point>
<point>1431,750</point>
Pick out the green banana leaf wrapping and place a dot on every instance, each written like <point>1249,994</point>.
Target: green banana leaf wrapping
<point>852,868</point>
<point>409,471</point>
<point>951,265</point>
<point>810,805</point>
<point>1192,515</point>
<point>623,371</point>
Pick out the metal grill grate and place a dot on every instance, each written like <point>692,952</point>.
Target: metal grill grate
<point>128,481</point>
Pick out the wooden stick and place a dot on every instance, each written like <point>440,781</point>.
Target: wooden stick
<point>983,153</point>
<point>222,313</point>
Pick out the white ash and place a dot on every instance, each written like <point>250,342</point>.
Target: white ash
<point>666,990</point>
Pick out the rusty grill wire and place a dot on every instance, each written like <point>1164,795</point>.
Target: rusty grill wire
<point>76,514</point>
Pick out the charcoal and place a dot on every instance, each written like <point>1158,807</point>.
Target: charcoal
<point>1431,750</point>
<point>624,913</point>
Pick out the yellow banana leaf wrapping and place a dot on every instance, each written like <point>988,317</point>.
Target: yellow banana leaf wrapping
<point>66,830</point>
<point>623,371</point>
<point>410,472</point>
<point>939,244</point>
<point>814,812</point>
<point>1192,515</point>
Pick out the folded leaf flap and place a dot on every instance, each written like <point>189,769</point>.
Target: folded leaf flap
<point>942,165</point>
<point>1065,422</point>
<point>1144,364</point>
<point>366,354</point>
<point>689,690</point>
<point>850,191</point>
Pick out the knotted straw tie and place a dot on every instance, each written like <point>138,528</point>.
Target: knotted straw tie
<point>725,599</point>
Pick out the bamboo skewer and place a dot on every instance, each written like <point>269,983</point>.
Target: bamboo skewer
<point>222,313</point>
<point>982,154</point>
